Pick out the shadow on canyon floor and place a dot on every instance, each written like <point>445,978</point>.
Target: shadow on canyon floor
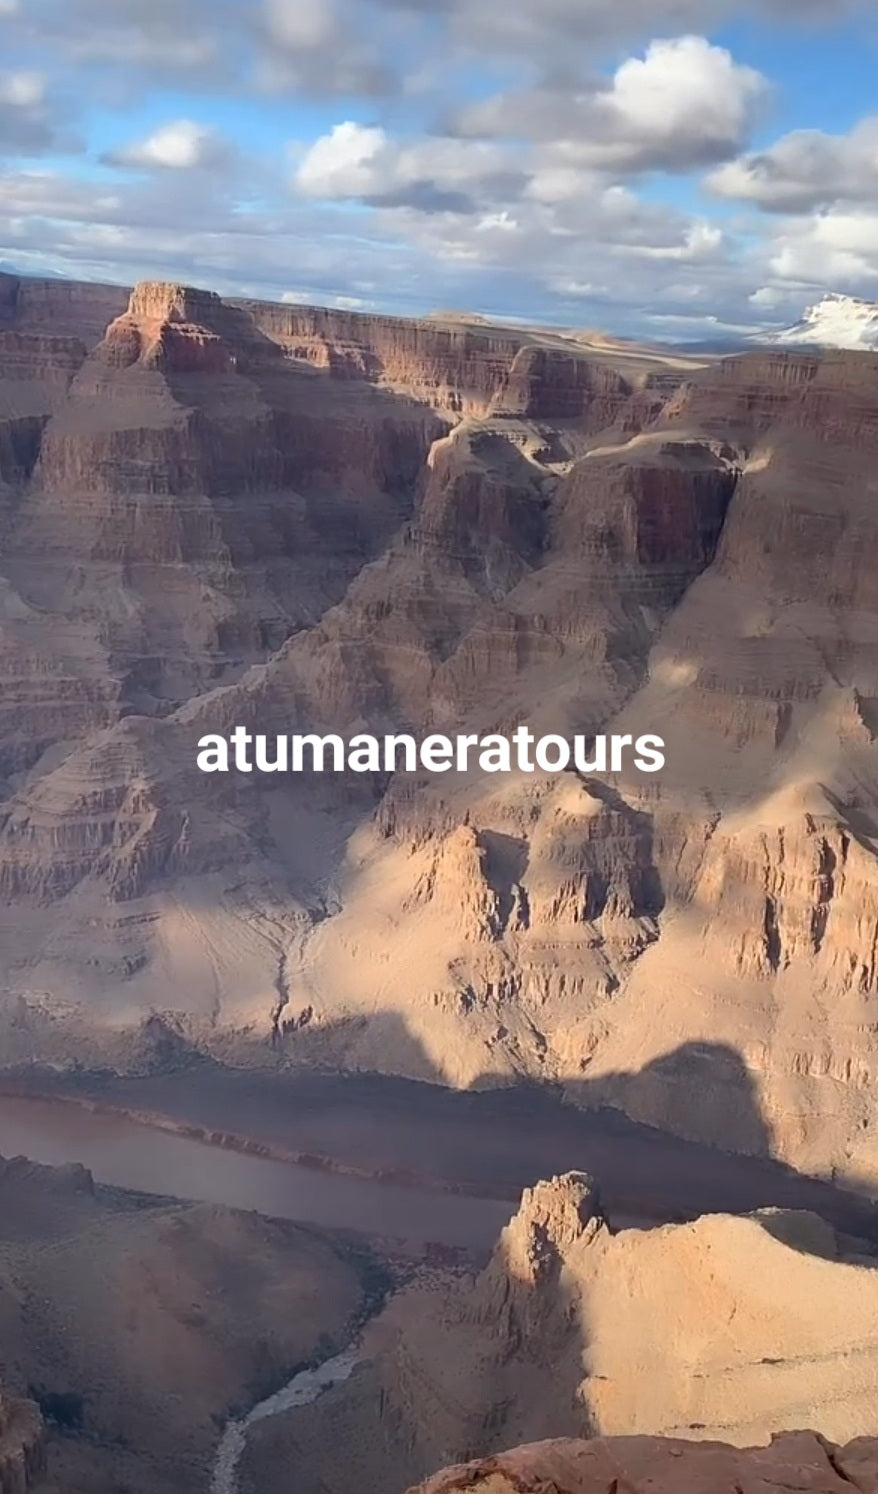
<point>501,1139</point>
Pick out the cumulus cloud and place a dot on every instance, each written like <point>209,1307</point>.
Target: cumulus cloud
<point>806,170</point>
<point>432,174</point>
<point>685,103</point>
<point>529,204</point>
<point>346,46</point>
<point>348,162</point>
<point>837,249</point>
<point>181,145</point>
<point>28,124</point>
<point>321,48</point>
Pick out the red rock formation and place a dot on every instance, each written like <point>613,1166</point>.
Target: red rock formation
<point>455,368</point>
<point>58,307</point>
<point>653,1465</point>
<point>548,384</point>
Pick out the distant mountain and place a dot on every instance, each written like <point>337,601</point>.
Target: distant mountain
<point>835,322</point>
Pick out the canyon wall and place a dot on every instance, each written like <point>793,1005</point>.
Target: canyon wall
<point>228,513</point>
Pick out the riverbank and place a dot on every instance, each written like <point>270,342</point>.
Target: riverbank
<point>162,1161</point>
<point>247,1146</point>
<point>399,1136</point>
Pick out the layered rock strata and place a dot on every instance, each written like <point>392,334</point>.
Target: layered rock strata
<point>289,518</point>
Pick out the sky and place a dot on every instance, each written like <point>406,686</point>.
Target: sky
<point>674,169</point>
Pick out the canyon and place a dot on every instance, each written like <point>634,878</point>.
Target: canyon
<point>146,1342</point>
<point>221,513</point>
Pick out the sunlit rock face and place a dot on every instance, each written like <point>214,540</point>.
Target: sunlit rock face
<point>287,518</point>
<point>689,1344</point>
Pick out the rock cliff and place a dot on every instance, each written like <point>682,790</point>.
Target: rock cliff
<point>647,1465</point>
<point>634,1330</point>
<point>723,1330</point>
<point>282,517</point>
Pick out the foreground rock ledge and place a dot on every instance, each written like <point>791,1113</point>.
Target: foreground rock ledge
<point>801,1461</point>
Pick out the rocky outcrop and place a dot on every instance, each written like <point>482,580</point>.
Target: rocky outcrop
<point>723,1330</point>
<point>548,384</point>
<point>625,1326</point>
<point>650,1465</point>
<point>187,499</point>
<point>22,1446</point>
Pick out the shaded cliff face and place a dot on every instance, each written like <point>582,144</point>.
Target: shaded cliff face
<point>289,518</point>
<point>60,307</point>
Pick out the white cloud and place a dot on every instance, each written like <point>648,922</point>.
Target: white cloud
<point>181,145</point>
<point>837,250</point>
<point>350,161</point>
<point>300,23</point>
<point>684,103</point>
<point>701,241</point>
<point>529,204</point>
<point>22,90</point>
<point>767,298</point>
<point>806,170</point>
<point>28,122</point>
<point>434,173</point>
<point>315,47</point>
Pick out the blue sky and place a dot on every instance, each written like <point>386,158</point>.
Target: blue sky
<point>667,168</point>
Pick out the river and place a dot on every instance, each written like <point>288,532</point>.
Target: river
<point>126,1154</point>
<point>301,1391</point>
<point>427,1142</point>
<point>438,1140</point>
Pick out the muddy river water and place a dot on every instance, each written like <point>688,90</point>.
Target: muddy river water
<point>127,1154</point>
<point>451,1166</point>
